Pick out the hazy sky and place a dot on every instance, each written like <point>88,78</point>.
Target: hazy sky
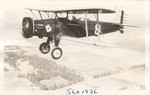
<point>135,10</point>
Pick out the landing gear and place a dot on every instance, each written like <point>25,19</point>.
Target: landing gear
<point>56,53</point>
<point>44,48</point>
<point>121,31</point>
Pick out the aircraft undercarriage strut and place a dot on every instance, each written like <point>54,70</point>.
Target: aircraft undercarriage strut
<point>56,52</point>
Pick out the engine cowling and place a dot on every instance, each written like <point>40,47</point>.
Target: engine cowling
<point>27,27</point>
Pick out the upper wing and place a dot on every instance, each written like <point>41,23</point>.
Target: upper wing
<point>78,11</point>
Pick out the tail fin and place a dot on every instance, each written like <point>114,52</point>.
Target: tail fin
<point>123,20</point>
<point>122,16</point>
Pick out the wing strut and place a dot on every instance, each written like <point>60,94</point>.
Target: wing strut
<point>86,25</point>
<point>97,19</point>
<point>33,14</point>
<point>40,15</point>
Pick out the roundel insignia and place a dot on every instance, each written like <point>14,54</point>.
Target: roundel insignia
<point>48,28</point>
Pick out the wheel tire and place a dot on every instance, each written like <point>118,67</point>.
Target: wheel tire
<point>44,48</point>
<point>27,27</point>
<point>58,54</point>
<point>121,31</point>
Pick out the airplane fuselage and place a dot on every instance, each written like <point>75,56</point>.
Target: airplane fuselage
<point>73,28</point>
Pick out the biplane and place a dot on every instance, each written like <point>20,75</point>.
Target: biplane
<point>54,28</point>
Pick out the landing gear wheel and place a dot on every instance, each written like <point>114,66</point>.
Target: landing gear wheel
<point>44,48</point>
<point>121,31</point>
<point>56,53</point>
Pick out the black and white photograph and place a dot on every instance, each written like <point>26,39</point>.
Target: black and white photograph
<point>74,47</point>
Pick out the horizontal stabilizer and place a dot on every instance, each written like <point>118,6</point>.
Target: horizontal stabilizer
<point>131,26</point>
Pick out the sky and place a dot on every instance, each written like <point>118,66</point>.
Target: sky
<point>135,9</point>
